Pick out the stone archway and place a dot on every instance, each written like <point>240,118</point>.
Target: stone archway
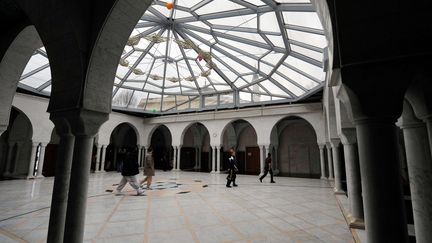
<point>16,146</point>
<point>195,151</point>
<point>296,149</point>
<point>123,139</point>
<point>241,136</point>
<point>161,142</point>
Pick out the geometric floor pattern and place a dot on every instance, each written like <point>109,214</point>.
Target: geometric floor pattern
<point>291,210</point>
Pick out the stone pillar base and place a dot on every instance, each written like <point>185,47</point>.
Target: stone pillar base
<point>323,178</point>
<point>339,192</point>
<point>355,223</point>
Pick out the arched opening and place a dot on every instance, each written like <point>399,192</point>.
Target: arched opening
<point>295,148</point>
<point>123,139</point>
<point>195,152</point>
<point>241,136</point>
<point>161,142</point>
<point>16,146</point>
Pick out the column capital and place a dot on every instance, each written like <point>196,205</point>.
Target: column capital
<point>44,144</point>
<point>335,142</point>
<point>321,146</point>
<point>35,144</point>
<point>79,121</point>
<point>348,136</point>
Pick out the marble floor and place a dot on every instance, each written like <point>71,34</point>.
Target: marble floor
<point>184,207</point>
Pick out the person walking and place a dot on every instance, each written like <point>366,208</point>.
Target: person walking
<point>149,170</point>
<point>129,171</point>
<point>232,169</point>
<point>267,169</point>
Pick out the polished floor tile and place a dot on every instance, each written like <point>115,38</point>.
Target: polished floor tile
<point>183,207</point>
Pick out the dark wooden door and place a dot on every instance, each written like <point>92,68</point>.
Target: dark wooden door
<point>252,165</point>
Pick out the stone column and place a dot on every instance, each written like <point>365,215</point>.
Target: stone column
<point>262,154</point>
<point>85,125</point>
<point>98,158</point>
<point>60,192</point>
<point>102,168</point>
<point>139,155</point>
<point>337,163</point>
<point>428,121</point>
<point>330,162</point>
<point>178,157</point>
<point>175,158</point>
<point>322,161</point>
<point>30,173</point>
<point>419,163</point>
<point>41,160</point>
<point>384,210</point>
<point>218,160</point>
<point>213,159</point>
<point>352,168</point>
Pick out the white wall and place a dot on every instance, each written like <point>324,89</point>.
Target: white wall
<point>262,119</point>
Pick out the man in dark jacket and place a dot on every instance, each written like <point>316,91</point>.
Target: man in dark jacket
<point>232,169</point>
<point>267,169</point>
<point>129,171</point>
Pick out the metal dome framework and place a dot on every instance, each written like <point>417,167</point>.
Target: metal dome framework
<point>206,54</point>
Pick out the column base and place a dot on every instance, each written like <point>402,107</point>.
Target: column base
<point>330,178</point>
<point>323,178</point>
<point>355,223</point>
<point>213,172</point>
<point>30,177</point>
<point>40,177</point>
<point>339,192</point>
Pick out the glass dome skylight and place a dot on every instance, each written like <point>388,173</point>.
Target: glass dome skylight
<point>207,54</point>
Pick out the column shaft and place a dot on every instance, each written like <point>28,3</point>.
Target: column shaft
<point>98,158</point>
<point>139,156</point>
<point>337,163</point>
<point>261,159</point>
<point>41,161</point>
<point>355,199</point>
<point>213,159</point>
<point>428,122</point>
<point>175,158</point>
<point>330,163</point>
<point>218,160</point>
<point>384,209</point>
<point>77,198</point>
<point>102,168</point>
<point>178,157</point>
<point>30,173</point>
<point>420,170</point>
<point>322,162</point>
<point>60,192</point>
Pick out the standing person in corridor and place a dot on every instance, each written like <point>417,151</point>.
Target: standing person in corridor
<point>267,169</point>
<point>149,170</point>
<point>232,169</point>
